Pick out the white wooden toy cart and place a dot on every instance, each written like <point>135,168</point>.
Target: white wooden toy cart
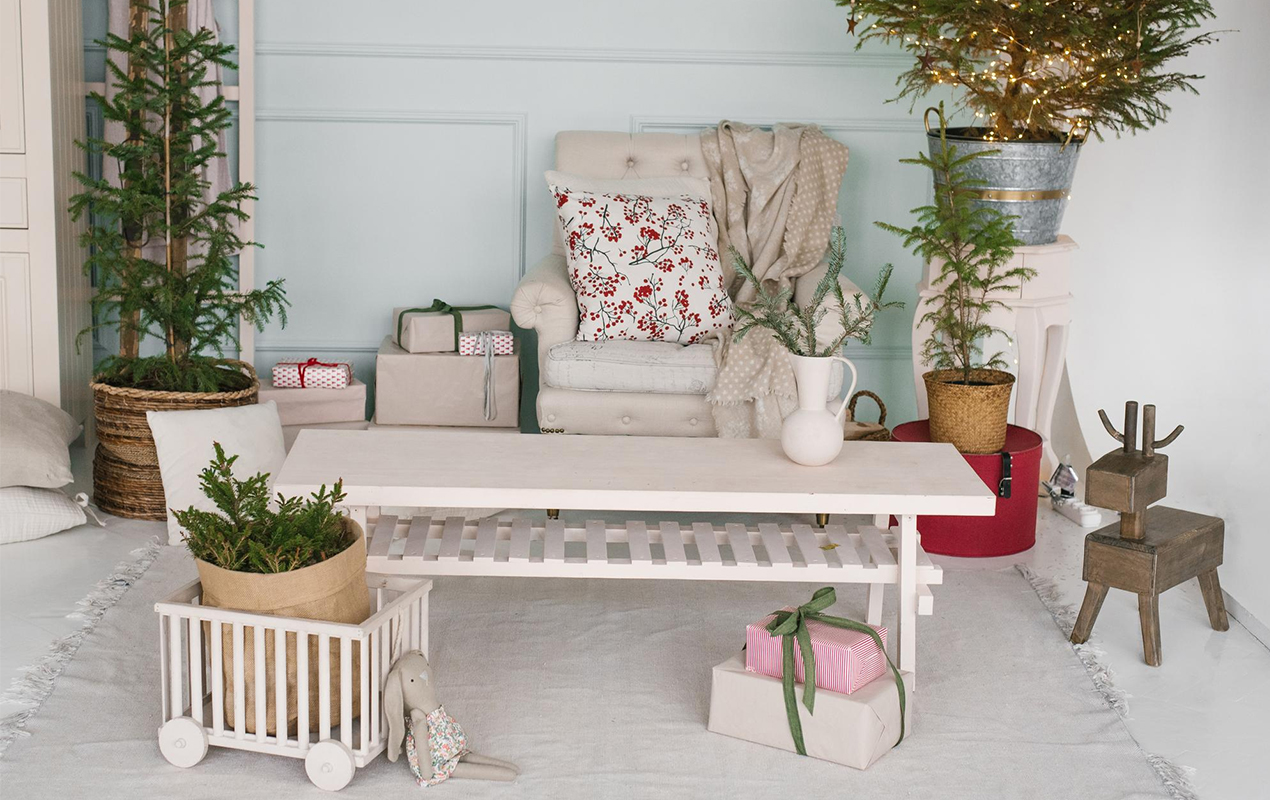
<point>193,686</point>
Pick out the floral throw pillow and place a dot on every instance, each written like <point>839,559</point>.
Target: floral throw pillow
<point>643,267</point>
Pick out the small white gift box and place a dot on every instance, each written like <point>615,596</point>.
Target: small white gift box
<point>312,374</point>
<point>474,343</point>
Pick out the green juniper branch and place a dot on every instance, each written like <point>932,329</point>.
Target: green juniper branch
<point>795,326</point>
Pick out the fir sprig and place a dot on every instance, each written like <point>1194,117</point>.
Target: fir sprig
<point>795,326</point>
<point>1039,69</point>
<point>973,245</point>
<point>190,299</point>
<point>247,536</point>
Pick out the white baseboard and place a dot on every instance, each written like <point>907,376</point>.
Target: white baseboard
<point>1259,630</point>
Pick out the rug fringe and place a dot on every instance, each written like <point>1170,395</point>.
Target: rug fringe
<point>1175,777</point>
<point>35,685</point>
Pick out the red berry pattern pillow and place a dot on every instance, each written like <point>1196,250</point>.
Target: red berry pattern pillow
<point>643,268</point>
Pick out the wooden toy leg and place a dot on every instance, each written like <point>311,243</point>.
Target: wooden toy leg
<point>1213,600</point>
<point>1095,593</point>
<point>1149,614</point>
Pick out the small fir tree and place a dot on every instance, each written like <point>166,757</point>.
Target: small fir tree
<point>1043,69</point>
<point>973,244</point>
<point>247,536</point>
<point>795,326</point>
<point>189,299</point>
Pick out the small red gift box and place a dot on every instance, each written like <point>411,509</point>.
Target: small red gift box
<point>312,374</point>
<point>845,660</point>
<point>472,343</point>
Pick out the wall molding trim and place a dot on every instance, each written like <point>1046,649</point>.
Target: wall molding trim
<point>516,122</point>
<point>855,352</point>
<point>450,52</point>
<point>691,123</point>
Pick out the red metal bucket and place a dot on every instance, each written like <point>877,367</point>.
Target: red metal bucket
<point>1013,528</point>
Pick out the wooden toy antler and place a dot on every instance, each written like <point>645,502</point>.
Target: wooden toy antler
<point>1130,435</point>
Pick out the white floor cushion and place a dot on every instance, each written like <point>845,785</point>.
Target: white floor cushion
<point>27,513</point>
<point>184,441</point>
<point>626,366</point>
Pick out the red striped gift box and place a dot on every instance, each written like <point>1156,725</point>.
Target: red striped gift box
<point>845,660</point>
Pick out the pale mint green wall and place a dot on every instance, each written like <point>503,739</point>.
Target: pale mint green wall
<point>400,145</point>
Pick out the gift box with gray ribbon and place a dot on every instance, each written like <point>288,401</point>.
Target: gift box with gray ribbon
<point>446,388</point>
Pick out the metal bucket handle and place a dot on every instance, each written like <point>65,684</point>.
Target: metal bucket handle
<point>926,117</point>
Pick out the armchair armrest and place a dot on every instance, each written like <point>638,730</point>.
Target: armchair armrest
<point>805,287</point>
<point>544,302</point>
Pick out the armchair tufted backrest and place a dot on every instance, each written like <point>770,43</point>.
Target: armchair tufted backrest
<point>614,156</point>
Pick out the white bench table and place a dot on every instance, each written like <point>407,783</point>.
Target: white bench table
<point>419,469</point>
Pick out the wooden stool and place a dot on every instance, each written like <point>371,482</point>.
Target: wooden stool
<point>1178,545</point>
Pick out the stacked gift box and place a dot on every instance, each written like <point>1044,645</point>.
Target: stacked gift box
<point>856,714</point>
<point>311,393</point>
<point>449,366</point>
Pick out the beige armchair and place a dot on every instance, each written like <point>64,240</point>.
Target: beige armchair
<point>618,387</point>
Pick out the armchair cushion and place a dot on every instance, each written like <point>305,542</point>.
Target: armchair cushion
<point>619,366</point>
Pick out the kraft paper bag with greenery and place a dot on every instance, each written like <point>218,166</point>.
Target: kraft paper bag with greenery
<point>300,560</point>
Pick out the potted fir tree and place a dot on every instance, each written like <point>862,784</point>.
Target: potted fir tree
<point>300,558</point>
<point>161,250</point>
<point>968,392</point>
<point>812,435</point>
<point>1039,77</point>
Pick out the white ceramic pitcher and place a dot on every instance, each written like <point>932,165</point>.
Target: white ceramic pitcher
<point>812,435</point>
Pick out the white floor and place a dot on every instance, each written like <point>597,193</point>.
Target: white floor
<point>1205,708</point>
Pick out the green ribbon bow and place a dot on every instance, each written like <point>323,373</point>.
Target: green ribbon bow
<point>444,308</point>
<point>791,625</point>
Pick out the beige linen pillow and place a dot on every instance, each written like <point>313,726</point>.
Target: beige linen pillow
<point>34,436</point>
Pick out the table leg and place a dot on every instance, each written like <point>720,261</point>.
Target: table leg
<point>874,613</point>
<point>358,515</point>
<point>907,560</point>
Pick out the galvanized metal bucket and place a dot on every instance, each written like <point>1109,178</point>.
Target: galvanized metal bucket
<point>1028,180</point>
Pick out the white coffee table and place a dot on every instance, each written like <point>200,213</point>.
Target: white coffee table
<point>717,477</point>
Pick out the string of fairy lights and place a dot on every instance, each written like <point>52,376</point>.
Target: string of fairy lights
<point>1079,62</point>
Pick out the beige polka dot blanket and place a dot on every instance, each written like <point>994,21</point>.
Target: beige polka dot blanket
<point>775,196</point>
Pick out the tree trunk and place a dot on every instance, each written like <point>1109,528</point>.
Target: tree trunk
<point>133,229</point>
<point>175,158</point>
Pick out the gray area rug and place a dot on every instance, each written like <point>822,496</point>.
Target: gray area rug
<point>601,689</point>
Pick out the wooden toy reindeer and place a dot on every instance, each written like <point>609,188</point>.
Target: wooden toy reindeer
<point>1128,480</point>
<point>1154,548</point>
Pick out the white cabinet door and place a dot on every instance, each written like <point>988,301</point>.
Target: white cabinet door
<point>12,139</point>
<point>15,323</point>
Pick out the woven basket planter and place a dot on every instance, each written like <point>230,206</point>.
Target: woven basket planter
<point>126,480</point>
<point>970,416</point>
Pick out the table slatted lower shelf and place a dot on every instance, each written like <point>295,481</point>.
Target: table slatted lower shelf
<point>423,545</point>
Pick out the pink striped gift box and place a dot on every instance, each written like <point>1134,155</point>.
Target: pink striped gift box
<point>845,660</point>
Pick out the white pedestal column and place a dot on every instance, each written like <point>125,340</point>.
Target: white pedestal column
<point>1038,316</point>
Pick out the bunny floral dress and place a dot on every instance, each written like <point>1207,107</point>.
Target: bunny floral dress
<point>446,742</point>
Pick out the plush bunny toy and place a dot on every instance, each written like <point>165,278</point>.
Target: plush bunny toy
<point>429,729</point>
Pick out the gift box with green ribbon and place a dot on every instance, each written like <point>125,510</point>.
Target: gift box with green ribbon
<point>853,729</point>
<point>436,328</point>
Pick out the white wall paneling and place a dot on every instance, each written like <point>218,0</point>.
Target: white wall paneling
<point>16,358</point>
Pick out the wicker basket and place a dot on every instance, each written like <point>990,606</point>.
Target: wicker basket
<point>972,417</point>
<point>857,431</point>
<point>126,480</point>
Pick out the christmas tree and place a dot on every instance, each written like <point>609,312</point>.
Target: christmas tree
<point>973,245</point>
<point>188,298</point>
<point>1043,69</point>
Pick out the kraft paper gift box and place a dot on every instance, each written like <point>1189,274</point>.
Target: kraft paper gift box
<point>851,729</point>
<point>433,331</point>
<point>443,389</point>
<point>313,406</point>
<point>845,659</point>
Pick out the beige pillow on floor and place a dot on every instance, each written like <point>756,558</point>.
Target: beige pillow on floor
<point>184,440</point>
<point>34,436</point>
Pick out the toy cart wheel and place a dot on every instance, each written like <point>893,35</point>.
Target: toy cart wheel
<point>330,765</point>
<point>183,742</point>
